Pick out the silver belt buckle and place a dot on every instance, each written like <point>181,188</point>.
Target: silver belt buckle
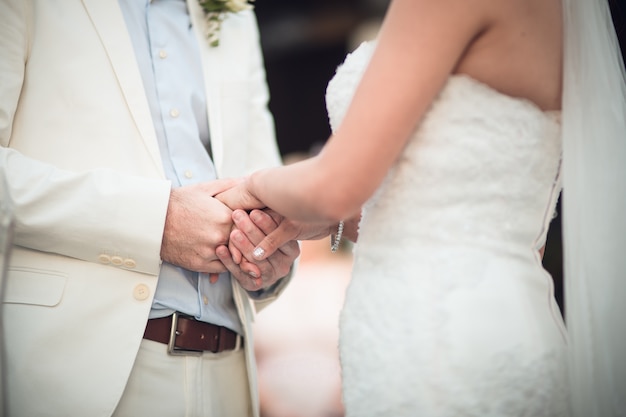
<point>171,345</point>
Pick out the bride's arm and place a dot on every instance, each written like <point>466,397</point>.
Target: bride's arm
<point>419,45</point>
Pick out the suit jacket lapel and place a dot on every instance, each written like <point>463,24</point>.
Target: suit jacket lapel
<point>110,25</point>
<point>211,61</point>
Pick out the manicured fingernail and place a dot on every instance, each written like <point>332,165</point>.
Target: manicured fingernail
<point>253,274</point>
<point>258,253</point>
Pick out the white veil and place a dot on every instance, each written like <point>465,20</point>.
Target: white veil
<point>594,209</point>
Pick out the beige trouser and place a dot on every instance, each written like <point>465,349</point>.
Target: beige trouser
<point>211,385</point>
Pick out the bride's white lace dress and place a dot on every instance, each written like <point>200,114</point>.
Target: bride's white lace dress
<point>449,311</point>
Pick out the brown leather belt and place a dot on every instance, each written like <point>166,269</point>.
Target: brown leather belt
<point>186,336</point>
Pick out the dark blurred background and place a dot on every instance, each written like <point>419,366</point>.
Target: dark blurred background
<point>304,41</point>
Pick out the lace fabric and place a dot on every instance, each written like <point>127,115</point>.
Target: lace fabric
<point>449,312</point>
<point>432,250</point>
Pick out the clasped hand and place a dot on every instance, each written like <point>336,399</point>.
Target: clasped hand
<point>240,199</point>
<point>203,234</point>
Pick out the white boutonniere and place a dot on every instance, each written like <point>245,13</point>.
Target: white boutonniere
<point>215,12</point>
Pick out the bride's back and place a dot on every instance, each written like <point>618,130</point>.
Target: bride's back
<point>520,52</point>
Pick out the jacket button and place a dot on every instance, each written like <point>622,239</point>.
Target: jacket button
<point>141,292</point>
<point>117,260</point>
<point>104,258</point>
<point>130,263</point>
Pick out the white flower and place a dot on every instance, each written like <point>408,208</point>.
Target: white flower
<point>238,5</point>
<point>215,11</point>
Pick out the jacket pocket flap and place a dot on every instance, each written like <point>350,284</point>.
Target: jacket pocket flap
<point>34,286</point>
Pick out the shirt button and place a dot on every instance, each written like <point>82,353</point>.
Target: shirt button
<point>205,299</point>
<point>130,263</point>
<point>174,113</point>
<point>117,260</point>
<point>141,292</point>
<point>162,54</point>
<point>188,174</point>
<point>104,258</point>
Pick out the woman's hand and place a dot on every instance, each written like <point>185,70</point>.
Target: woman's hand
<point>287,230</point>
<point>238,255</point>
<point>240,197</point>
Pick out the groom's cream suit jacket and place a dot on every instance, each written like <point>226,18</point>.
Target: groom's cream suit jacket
<point>84,171</point>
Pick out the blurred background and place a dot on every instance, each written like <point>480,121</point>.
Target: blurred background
<point>296,338</point>
<point>303,42</point>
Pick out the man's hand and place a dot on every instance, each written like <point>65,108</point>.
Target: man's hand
<point>251,230</point>
<point>195,225</point>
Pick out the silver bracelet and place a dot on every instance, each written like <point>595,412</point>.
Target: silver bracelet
<point>336,239</point>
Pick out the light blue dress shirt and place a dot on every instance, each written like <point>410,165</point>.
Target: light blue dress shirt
<point>169,61</point>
